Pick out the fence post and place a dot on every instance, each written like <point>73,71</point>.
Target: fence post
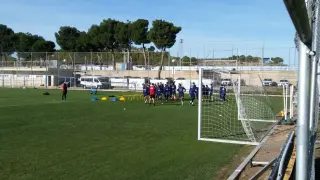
<point>303,112</point>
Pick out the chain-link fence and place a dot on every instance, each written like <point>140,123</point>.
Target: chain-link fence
<point>127,71</point>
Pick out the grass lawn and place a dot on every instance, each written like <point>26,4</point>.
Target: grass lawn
<point>42,138</point>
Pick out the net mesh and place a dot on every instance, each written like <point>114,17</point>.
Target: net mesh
<point>243,114</point>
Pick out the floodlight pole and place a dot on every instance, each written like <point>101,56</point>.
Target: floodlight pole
<point>303,112</point>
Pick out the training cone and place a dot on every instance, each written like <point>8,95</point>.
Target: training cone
<point>94,99</point>
<point>122,99</point>
<point>104,99</point>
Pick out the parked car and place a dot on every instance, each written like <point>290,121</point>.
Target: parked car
<point>268,82</point>
<point>226,82</point>
<point>283,82</point>
<point>96,82</point>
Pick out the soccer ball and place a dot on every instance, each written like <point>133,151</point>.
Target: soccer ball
<point>23,87</point>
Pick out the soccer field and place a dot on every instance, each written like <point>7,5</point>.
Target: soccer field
<point>42,138</point>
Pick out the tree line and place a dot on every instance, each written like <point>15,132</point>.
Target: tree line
<point>254,59</point>
<point>109,36</point>
<point>11,42</point>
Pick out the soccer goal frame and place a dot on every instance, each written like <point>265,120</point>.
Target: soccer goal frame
<point>241,108</point>
<point>245,122</point>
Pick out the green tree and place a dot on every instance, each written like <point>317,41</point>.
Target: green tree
<point>95,36</point>
<point>151,49</point>
<point>194,61</point>
<point>108,37</point>
<point>27,43</point>
<point>83,43</point>
<point>140,35</point>
<point>67,38</point>
<point>123,36</point>
<point>163,35</point>
<point>7,42</point>
<point>277,60</point>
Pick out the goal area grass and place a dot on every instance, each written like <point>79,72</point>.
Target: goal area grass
<point>42,137</point>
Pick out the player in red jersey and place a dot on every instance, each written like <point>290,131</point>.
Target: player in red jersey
<point>152,94</point>
<point>64,91</point>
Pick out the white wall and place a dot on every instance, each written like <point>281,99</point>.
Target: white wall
<point>14,80</point>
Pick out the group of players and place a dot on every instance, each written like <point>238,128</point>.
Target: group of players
<point>169,91</point>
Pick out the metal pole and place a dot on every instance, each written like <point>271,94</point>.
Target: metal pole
<point>286,112</point>
<point>313,92</point>
<point>74,70</point>
<point>190,55</point>
<point>303,112</point>
<point>289,57</point>
<point>291,101</point>
<point>284,101</point>
<point>199,102</point>
<point>238,98</point>
<point>237,58</point>
<point>32,70</point>
<point>46,70</point>
<point>212,54</point>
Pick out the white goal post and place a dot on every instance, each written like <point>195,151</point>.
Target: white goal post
<point>238,113</point>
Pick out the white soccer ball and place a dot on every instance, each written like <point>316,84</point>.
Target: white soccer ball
<point>124,109</point>
<point>220,115</point>
<point>23,87</point>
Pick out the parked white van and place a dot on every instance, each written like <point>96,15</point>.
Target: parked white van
<point>97,82</point>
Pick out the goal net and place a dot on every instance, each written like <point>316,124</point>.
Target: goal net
<point>232,108</point>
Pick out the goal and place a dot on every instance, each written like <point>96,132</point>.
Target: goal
<point>245,116</point>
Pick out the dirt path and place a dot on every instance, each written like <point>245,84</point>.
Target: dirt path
<point>267,152</point>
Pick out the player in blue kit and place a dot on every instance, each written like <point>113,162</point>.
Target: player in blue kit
<point>145,93</point>
<point>173,89</point>
<point>196,90</point>
<point>207,90</point>
<point>159,93</point>
<point>166,92</point>
<point>211,91</point>
<point>181,91</point>
<point>192,93</point>
<point>223,93</point>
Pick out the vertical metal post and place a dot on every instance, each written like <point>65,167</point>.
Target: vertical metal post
<point>32,70</point>
<point>46,69</point>
<point>284,100</point>
<point>291,101</point>
<point>74,71</point>
<point>237,58</point>
<point>289,57</point>
<point>287,88</point>
<point>238,98</point>
<point>199,102</point>
<point>303,112</point>
<point>212,54</point>
<point>313,92</point>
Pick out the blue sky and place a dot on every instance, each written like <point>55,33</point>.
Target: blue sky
<point>207,25</point>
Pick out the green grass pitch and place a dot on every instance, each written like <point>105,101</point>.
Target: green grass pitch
<point>42,138</point>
